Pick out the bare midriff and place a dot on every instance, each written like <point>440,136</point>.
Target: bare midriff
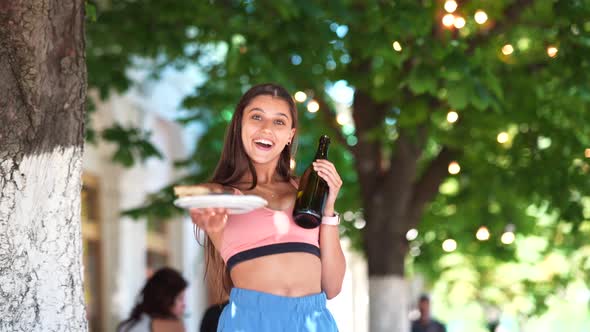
<point>287,274</point>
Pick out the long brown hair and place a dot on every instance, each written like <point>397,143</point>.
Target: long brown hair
<point>233,165</point>
<point>157,297</point>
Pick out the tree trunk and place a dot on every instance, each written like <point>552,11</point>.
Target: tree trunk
<point>394,196</point>
<point>388,290</point>
<point>42,101</point>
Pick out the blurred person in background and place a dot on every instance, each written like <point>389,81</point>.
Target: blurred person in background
<point>210,318</point>
<point>426,323</point>
<point>160,304</point>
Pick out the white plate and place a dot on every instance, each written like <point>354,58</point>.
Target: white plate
<point>236,204</point>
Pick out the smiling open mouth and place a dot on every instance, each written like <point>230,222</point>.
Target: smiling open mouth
<point>263,144</point>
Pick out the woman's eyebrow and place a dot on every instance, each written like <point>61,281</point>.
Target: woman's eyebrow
<point>256,109</point>
<point>261,110</point>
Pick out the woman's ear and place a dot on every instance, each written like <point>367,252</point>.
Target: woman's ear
<point>293,130</point>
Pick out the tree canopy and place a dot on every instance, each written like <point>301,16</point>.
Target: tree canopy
<point>480,115</point>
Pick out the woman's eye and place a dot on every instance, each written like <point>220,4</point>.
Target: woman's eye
<point>256,117</point>
<point>280,122</point>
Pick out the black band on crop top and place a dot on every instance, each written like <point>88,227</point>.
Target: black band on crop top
<point>271,249</point>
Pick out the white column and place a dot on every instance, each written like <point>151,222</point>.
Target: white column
<point>132,238</point>
<point>350,307</point>
<point>187,256</point>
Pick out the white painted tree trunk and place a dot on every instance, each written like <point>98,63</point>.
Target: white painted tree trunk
<point>42,95</point>
<point>389,304</point>
<point>40,243</point>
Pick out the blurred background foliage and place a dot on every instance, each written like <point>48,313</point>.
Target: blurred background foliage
<point>509,96</point>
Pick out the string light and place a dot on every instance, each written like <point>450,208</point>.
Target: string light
<point>359,223</point>
<point>412,234</point>
<point>343,118</point>
<point>454,168</point>
<point>450,6</point>
<point>480,17</point>
<point>552,51</point>
<point>452,117</point>
<point>448,20</point>
<point>507,49</point>
<point>483,234</point>
<point>502,137</point>
<point>507,237</point>
<point>397,46</point>
<point>449,245</point>
<point>348,215</point>
<point>587,153</point>
<point>459,22</point>
<point>300,96</point>
<point>313,106</point>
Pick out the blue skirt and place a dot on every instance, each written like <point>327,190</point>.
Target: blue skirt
<point>252,311</point>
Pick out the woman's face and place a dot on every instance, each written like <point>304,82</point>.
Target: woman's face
<point>266,128</point>
<point>179,305</point>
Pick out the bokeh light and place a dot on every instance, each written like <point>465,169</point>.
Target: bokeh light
<point>450,6</point>
<point>507,237</point>
<point>454,167</point>
<point>482,234</point>
<point>449,245</point>
<point>452,117</point>
<point>313,106</point>
<point>300,96</point>
<point>459,22</point>
<point>448,20</point>
<point>412,234</point>
<point>502,137</point>
<point>480,17</point>
<point>507,49</point>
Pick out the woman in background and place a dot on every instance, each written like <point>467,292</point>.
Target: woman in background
<point>160,304</point>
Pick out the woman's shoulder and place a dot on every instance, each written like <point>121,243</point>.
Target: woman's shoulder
<point>167,325</point>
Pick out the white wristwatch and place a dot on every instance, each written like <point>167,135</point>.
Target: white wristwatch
<point>333,221</point>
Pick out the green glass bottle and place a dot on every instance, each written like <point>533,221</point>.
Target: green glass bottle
<point>312,193</point>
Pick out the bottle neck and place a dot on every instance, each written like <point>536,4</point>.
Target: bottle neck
<point>322,152</point>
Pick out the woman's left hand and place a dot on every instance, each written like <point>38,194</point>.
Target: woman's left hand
<point>327,171</point>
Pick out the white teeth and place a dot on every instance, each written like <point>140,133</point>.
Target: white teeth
<point>263,141</point>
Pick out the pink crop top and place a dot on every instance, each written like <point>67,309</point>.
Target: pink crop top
<point>265,232</point>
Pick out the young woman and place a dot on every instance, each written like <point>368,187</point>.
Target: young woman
<point>160,305</point>
<point>278,275</point>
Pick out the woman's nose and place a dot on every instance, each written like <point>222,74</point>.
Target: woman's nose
<point>266,126</point>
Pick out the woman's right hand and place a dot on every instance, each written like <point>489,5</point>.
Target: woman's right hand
<point>211,220</point>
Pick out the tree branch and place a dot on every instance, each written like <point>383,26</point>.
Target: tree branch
<point>329,117</point>
<point>511,18</point>
<point>426,188</point>
<point>399,179</point>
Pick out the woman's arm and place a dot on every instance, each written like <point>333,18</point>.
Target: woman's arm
<point>333,261</point>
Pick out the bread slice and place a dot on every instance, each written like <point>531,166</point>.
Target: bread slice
<point>183,191</point>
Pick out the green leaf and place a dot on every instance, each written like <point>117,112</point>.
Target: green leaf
<point>90,9</point>
<point>423,80</point>
<point>458,94</point>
